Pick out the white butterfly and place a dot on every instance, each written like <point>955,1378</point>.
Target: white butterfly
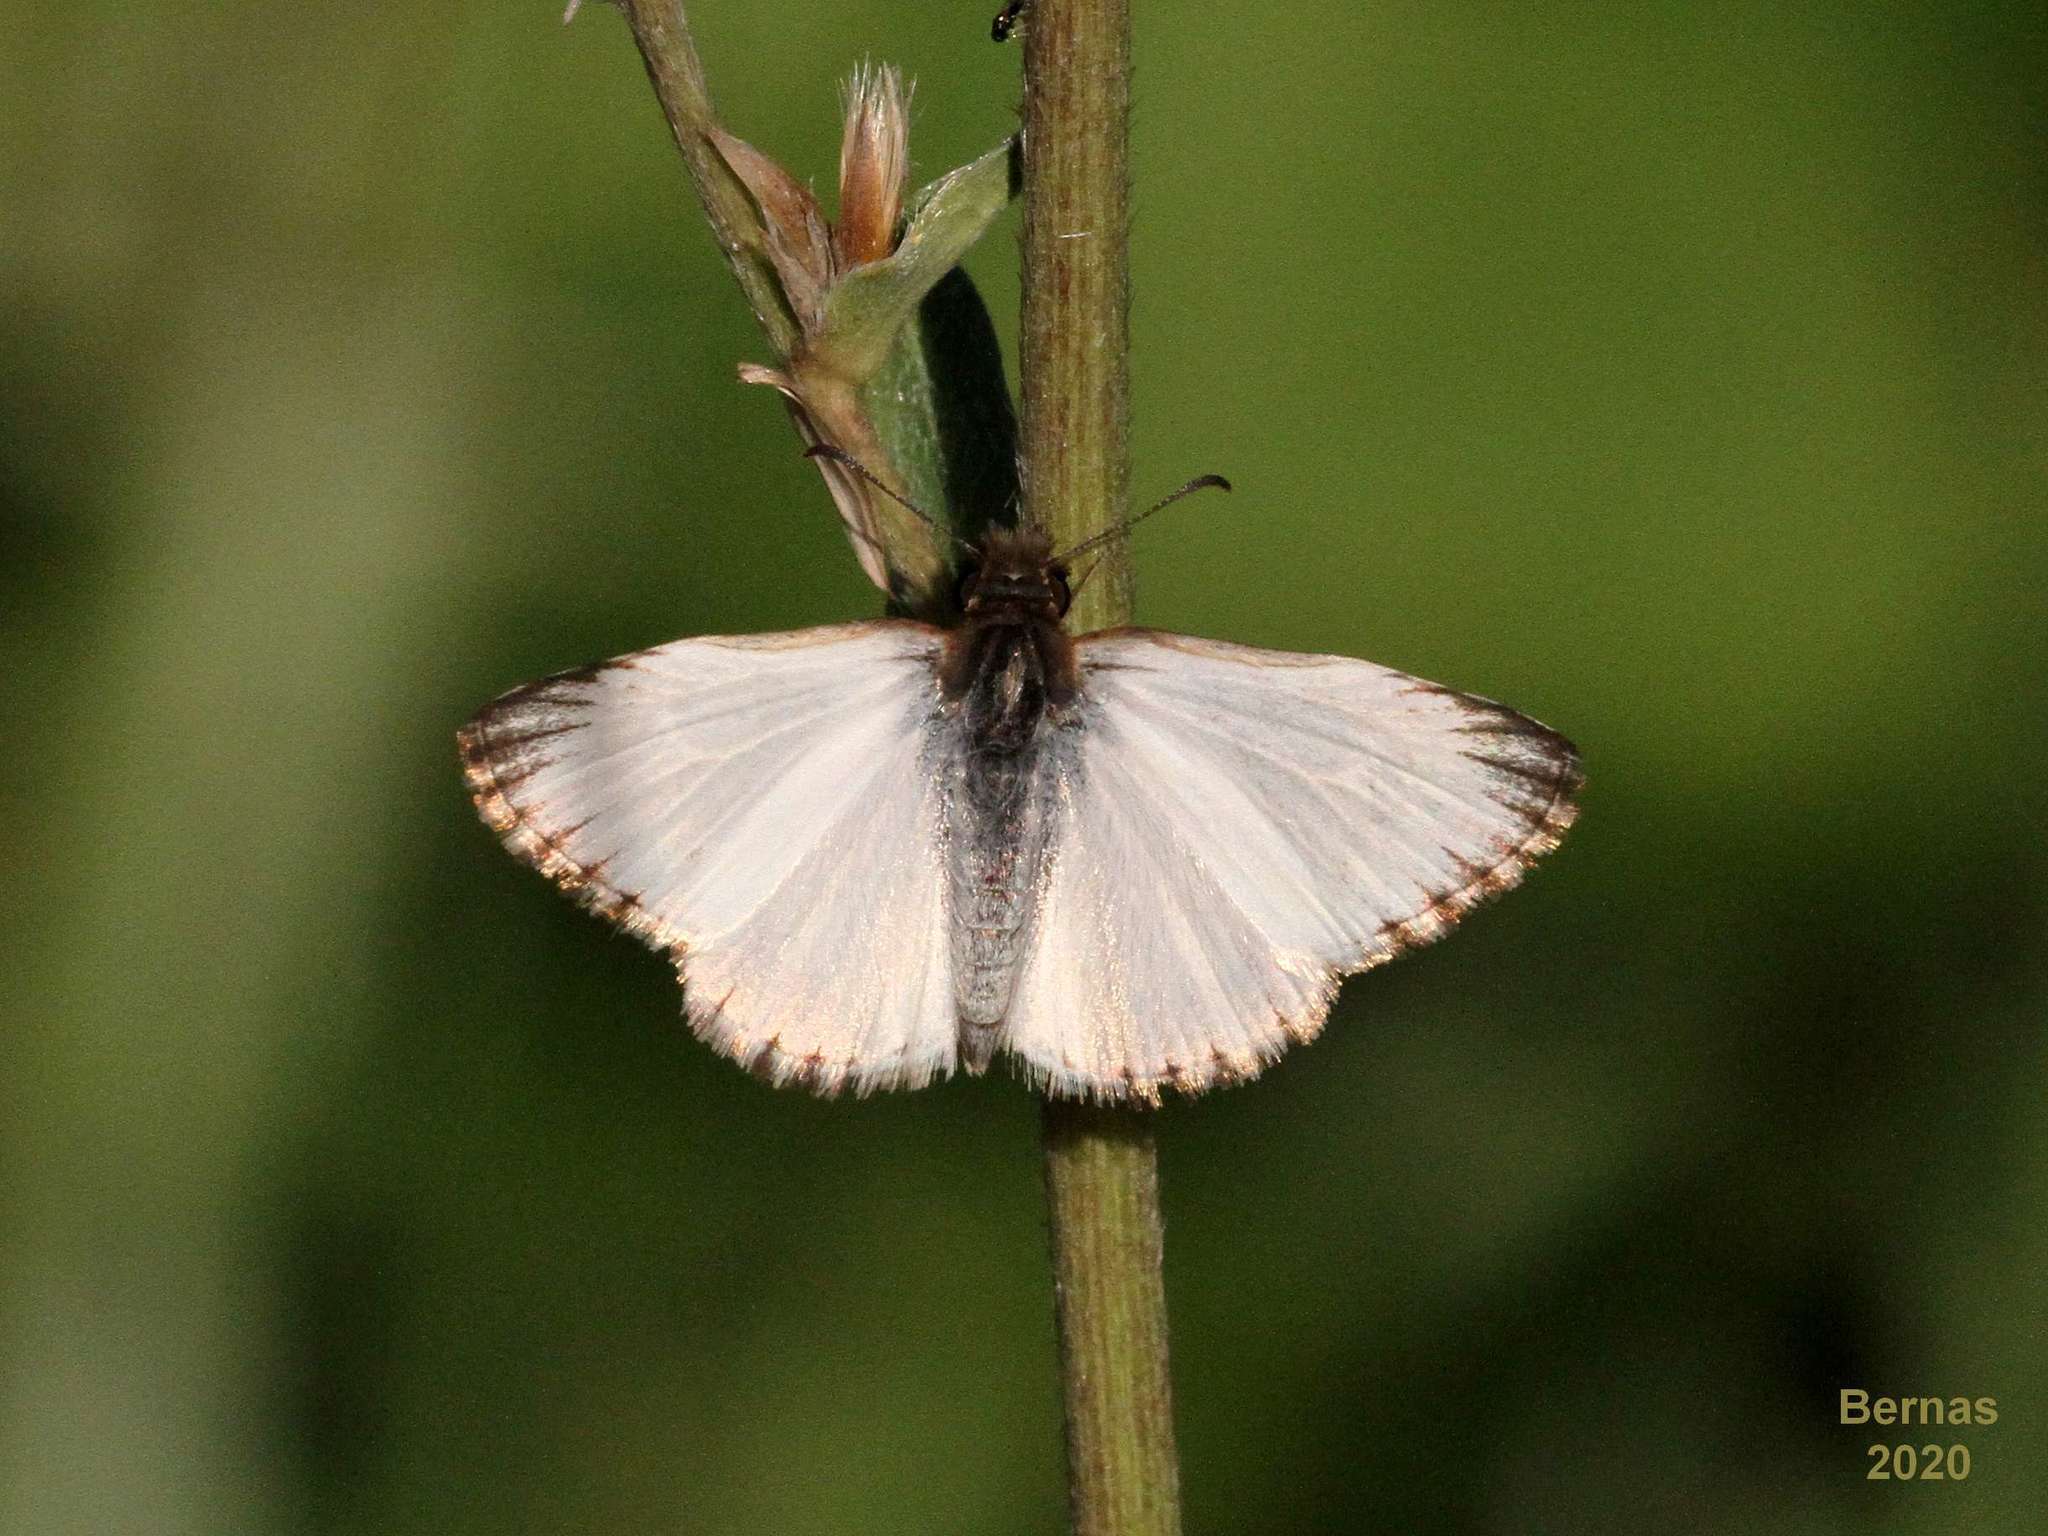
<point>1132,860</point>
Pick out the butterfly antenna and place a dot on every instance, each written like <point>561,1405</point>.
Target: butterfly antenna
<point>1075,590</point>
<point>846,460</point>
<point>1199,483</point>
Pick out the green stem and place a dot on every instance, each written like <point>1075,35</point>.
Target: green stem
<point>1101,1165</point>
<point>1075,323</point>
<point>662,33</point>
<point>1109,1294</point>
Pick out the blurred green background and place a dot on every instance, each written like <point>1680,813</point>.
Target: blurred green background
<point>1673,372</point>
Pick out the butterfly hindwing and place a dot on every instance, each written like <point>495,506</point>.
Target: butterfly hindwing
<point>1235,829</point>
<point>763,809</point>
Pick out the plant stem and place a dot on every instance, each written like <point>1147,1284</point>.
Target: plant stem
<point>1075,324</point>
<point>1101,1164</point>
<point>662,33</point>
<point>1109,1294</point>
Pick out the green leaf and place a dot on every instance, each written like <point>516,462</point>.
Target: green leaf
<point>941,409</point>
<point>869,305</point>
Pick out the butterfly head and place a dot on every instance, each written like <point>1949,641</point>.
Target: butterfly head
<point>1014,579</point>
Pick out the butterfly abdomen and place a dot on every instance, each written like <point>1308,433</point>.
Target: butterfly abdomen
<point>1004,682</point>
<point>997,849</point>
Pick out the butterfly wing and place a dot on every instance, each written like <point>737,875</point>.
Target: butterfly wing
<point>1236,829</point>
<point>761,808</point>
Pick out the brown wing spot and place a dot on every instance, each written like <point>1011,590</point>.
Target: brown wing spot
<point>1398,935</point>
<point>568,832</point>
<point>1545,778</point>
<point>556,694</point>
<point>1499,720</point>
<point>510,780</point>
<point>1485,879</point>
<point>1546,787</point>
<point>1297,1033</point>
<point>1472,872</point>
<point>497,742</point>
<point>805,1073</point>
<point>760,1062</point>
<point>718,1012</point>
<point>1227,1069</point>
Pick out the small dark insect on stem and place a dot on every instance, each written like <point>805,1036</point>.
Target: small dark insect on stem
<point>1008,20</point>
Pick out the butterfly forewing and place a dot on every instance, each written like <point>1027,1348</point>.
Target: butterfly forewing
<point>766,809</point>
<point>1235,829</point>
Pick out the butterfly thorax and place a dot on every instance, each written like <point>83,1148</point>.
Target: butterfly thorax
<point>1009,661</point>
<point>1008,680</point>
